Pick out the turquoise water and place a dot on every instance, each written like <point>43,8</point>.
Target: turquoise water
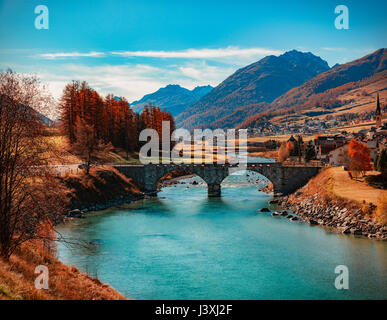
<point>183,245</point>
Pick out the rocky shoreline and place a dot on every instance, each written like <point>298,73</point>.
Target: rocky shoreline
<point>88,207</point>
<point>335,215</point>
<point>175,180</point>
<point>79,210</point>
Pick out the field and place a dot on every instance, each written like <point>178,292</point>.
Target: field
<point>351,189</point>
<point>61,154</point>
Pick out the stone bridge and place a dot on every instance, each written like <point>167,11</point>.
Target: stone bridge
<point>285,179</point>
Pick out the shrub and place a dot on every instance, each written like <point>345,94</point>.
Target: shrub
<point>381,211</point>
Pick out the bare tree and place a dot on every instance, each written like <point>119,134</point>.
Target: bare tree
<point>30,195</point>
<point>87,144</point>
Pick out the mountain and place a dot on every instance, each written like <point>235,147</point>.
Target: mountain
<point>258,83</point>
<point>174,98</point>
<point>347,87</point>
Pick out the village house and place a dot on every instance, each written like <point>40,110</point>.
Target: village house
<point>325,144</point>
<point>339,156</point>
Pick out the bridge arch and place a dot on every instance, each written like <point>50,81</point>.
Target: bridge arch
<point>252,177</point>
<point>178,173</point>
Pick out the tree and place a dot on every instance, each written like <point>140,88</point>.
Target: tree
<point>87,144</point>
<point>68,108</point>
<point>300,147</point>
<point>110,119</point>
<point>29,192</point>
<point>310,152</point>
<point>380,162</point>
<point>283,152</point>
<point>360,157</point>
<point>381,211</point>
<point>290,147</point>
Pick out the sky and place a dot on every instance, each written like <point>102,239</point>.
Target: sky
<point>131,48</point>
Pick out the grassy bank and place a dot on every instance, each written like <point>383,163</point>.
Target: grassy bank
<point>17,278</point>
<point>103,187</point>
<point>62,154</point>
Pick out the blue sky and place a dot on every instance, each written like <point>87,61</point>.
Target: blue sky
<point>132,48</point>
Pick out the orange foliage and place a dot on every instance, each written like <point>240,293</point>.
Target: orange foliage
<point>111,119</point>
<point>283,152</point>
<point>360,157</point>
<point>381,211</point>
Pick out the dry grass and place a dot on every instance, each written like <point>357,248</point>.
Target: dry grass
<point>273,154</point>
<point>356,190</point>
<point>62,154</point>
<point>320,189</point>
<point>102,185</point>
<point>17,278</point>
<point>333,185</point>
<point>381,211</point>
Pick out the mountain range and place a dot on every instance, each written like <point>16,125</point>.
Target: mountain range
<point>292,83</point>
<point>174,98</point>
<point>349,87</point>
<point>252,88</point>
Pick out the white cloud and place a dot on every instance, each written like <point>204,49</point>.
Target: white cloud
<point>133,80</point>
<point>333,49</point>
<point>71,55</point>
<point>206,74</point>
<point>230,55</point>
<point>200,53</point>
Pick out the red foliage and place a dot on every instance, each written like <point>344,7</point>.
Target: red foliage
<point>111,119</point>
<point>360,157</point>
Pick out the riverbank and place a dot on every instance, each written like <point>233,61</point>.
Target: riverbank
<point>17,278</point>
<point>317,204</point>
<point>103,188</point>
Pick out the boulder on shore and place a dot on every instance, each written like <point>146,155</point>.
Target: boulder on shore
<point>264,210</point>
<point>75,213</point>
<point>356,231</point>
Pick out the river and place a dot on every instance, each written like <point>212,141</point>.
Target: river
<point>184,245</point>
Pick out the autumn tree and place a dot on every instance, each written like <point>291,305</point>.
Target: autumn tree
<point>88,146</point>
<point>381,211</point>
<point>69,108</point>
<point>30,194</point>
<point>110,119</point>
<point>360,157</point>
<point>289,147</point>
<point>283,152</point>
